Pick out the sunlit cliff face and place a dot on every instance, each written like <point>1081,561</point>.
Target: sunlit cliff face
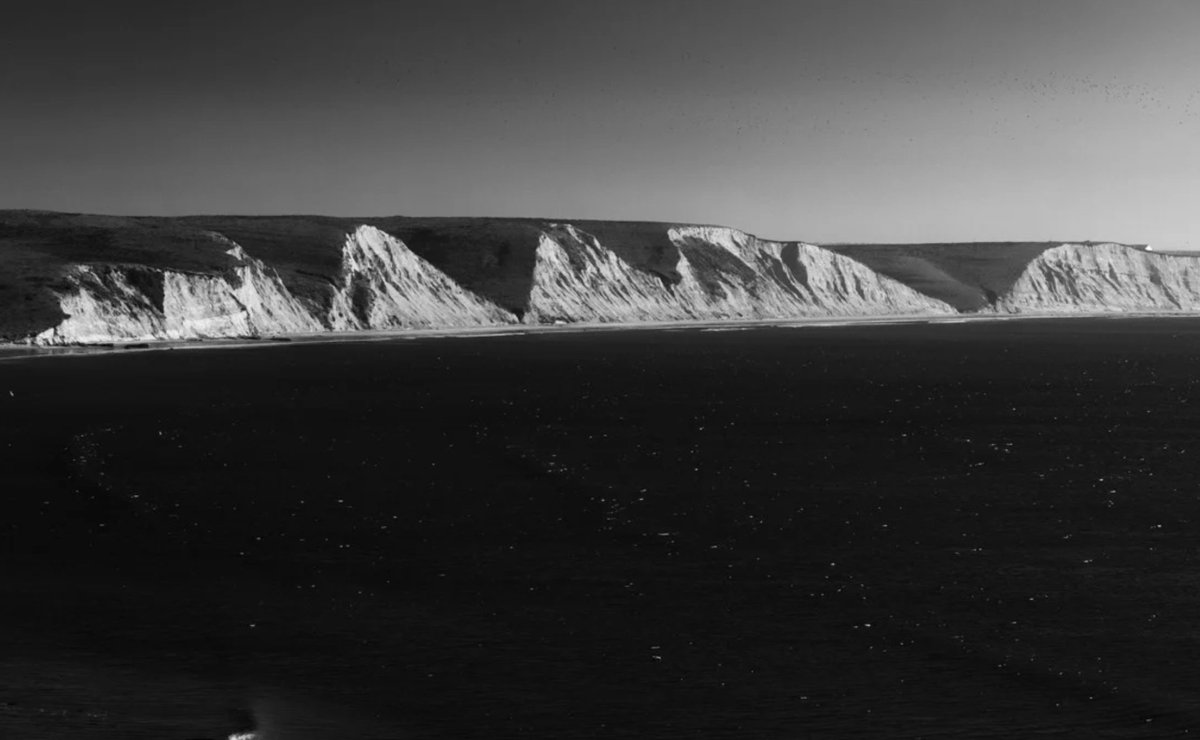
<point>616,273</point>
<point>1105,278</point>
<point>719,273</point>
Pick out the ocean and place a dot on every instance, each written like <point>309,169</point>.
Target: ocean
<point>980,529</point>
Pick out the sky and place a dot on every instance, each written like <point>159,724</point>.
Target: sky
<point>839,121</point>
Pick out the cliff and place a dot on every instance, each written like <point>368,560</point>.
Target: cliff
<point>384,285</point>
<point>970,276</point>
<point>69,278</point>
<point>731,274</point>
<point>238,277</point>
<point>1074,278</point>
<point>107,303</point>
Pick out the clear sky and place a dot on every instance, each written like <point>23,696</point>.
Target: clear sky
<point>825,121</point>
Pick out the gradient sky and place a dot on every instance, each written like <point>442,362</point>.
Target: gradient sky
<point>825,121</point>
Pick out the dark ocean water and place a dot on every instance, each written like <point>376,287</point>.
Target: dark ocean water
<point>983,530</point>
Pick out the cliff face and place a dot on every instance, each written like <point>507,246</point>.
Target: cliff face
<point>575,278</point>
<point>87,279</point>
<point>107,303</point>
<point>381,283</point>
<point>385,286</point>
<point>969,276</point>
<point>1079,278</point>
<point>731,274</point>
<point>722,274</point>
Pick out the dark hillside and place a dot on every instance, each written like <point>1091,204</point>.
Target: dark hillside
<point>968,276</point>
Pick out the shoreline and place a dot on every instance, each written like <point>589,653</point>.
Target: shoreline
<point>13,351</point>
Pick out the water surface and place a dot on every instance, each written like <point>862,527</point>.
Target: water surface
<point>957,530</point>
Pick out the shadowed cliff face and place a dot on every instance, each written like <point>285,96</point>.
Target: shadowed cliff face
<point>67,278</point>
<point>969,277</point>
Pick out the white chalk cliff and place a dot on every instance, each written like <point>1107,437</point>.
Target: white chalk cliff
<point>698,273</point>
<point>382,284</point>
<point>386,286</point>
<point>113,303</point>
<point>1085,278</point>
<point>724,274</point>
<point>575,278</point>
<point>717,273</point>
<point>730,274</point>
